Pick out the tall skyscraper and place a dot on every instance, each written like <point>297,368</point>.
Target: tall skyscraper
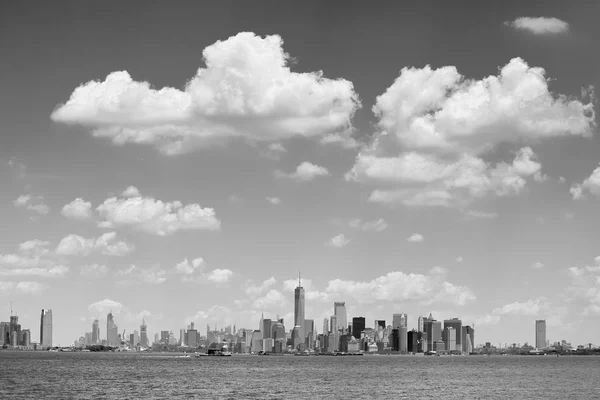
<point>143,334</point>
<point>434,333</point>
<point>456,324</point>
<point>339,310</point>
<point>450,338</point>
<point>112,331</point>
<point>333,325</point>
<point>358,326</point>
<point>96,332</point>
<point>468,339</point>
<point>540,333</point>
<point>399,321</point>
<point>266,328</point>
<point>299,309</point>
<point>421,324</point>
<point>325,326</point>
<point>402,340</point>
<point>379,323</point>
<point>46,328</point>
<point>309,327</point>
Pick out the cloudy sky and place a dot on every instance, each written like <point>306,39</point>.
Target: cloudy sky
<point>182,163</point>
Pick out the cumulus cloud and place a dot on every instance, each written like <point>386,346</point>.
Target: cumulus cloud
<point>377,225</point>
<point>530,307</point>
<point>94,270</point>
<point>245,90</point>
<point>220,276</point>
<point>590,184</point>
<point>134,275</point>
<point>274,200</point>
<point>275,151</point>
<point>34,247</point>
<point>482,214</point>
<point>32,260</point>
<point>157,217</point>
<point>32,203</point>
<point>105,306</point>
<point>434,125</point>
<point>537,265</point>
<point>188,268</point>
<point>338,241</point>
<point>459,260</point>
<point>539,25</point>
<point>304,172</point>
<point>75,245</point>
<point>415,238</point>
<point>78,209</point>
<point>252,289</point>
<point>30,287</point>
<point>131,191</point>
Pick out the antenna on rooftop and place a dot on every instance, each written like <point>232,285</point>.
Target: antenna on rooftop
<point>11,310</point>
<point>299,283</point>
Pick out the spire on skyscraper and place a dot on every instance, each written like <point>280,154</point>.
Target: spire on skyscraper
<point>299,281</point>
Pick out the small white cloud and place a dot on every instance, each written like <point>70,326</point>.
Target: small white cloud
<point>30,287</point>
<point>220,276</point>
<point>482,214</point>
<point>34,247</point>
<point>188,268</point>
<point>539,25</point>
<point>304,172</point>
<point>562,179</point>
<point>75,245</point>
<point>529,307</point>
<point>459,260</point>
<point>591,184</point>
<point>105,306</point>
<point>256,290</point>
<point>94,270</point>
<point>415,238</point>
<point>377,225</point>
<point>32,203</point>
<point>338,241</point>
<point>577,192</point>
<point>274,200</point>
<point>537,265</point>
<point>438,270</point>
<point>78,209</point>
<point>131,191</point>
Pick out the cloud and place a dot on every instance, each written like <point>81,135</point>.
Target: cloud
<point>32,203</point>
<point>377,225</point>
<point>94,270</point>
<point>220,276</point>
<point>32,260</point>
<point>275,151</point>
<point>459,260</point>
<point>273,298</point>
<point>304,172</point>
<point>274,200</point>
<point>34,247</point>
<point>46,272</point>
<point>215,313</point>
<point>528,308</point>
<point>156,217</point>
<point>591,184</point>
<point>482,214</point>
<point>78,209</point>
<point>105,306</point>
<point>255,290</point>
<point>539,25</point>
<point>131,191</point>
<point>30,287</point>
<point>434,127</point>
<point>415,238</point>
<point>397,286</point>
<point>75,245</point>
<point>487,320</point>
<point>338,241</point>
<point>135,275</point>
<point>246,90</point>
<point>188,268</point>
<point>537,265</point>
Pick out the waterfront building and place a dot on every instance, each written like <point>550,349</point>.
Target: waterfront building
<point>4,333</point>
<point>433,330</point>
<point>339,311</point>
<point>266,328</point>
<point>278,332</point>
<point>325,326</point>
<point>468,339</point>
<point>143,334</point>
<point>450,338</point>
<point>182,336</point>
<point>136,338</point>
<point>399,321</point>
<point>192,337</point>
<point>112,336</point>
<point>379,323</point>
<point>309,327</point>
<point>96,332</point>
<point>412,341</point>
<point>268,344</point>
<point>88,339</point>
<point>402,342</point>
<point>257,341</point>
<point>540,333</point>
<point>25,338</point>
<point>439,345</point>
<point>297,339</point>
<point>353,345</point>
<point>358,326</point>
<point>46,328</point>
<point>456,324</point>
<point>421,324</point>
<point>299,310</point>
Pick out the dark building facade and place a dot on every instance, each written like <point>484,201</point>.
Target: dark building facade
<point>413,341</point>
<point>358,325</point>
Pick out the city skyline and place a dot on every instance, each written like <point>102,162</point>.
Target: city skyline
<point>177,168</point>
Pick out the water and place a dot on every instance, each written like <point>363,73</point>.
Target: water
<point>37,375</point>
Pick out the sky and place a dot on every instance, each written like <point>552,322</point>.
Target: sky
<point>182,162</point>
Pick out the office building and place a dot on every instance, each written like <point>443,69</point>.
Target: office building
<point>144,334</point>
<point>309,327</point>
<point>456,324</point>
<point>325,326</point>
<point>299,310</point>
<point>96,332</point>
<point>413,341</point>
<point>192,336</point>
<point>433,331</point>
<point>297,340</point>
<point>468,339</point>
<point>46,328</point>
<point>256,343</point>
<point>266,328</point>
<point>421,324</point>
<point>358,326</point>
<point>379,323</point>
<point>4,333</point>
<point>164,337</point>
<point>402,340</point>
<point>450,338</point>
<point>399,321</point>
<point>339,311</point>
<point>136,337</point>
<point>112,335</point>
<point>540,333</point>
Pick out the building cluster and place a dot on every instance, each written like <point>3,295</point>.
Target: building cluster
<point>137,339</point>
<point>11,334</point>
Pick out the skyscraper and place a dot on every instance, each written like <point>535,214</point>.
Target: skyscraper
<point>266,328</point>
<point>112,335</point>
<point>434,333</point>
<point>399,321</point>
<point>456,324</point>
<point>339,310</point>
<point>468,339</point>
<point>143,334</point>
<point>46,328</point>
<point>96,332</point>
<point>325,326</point>
<point>450,338</point>
<point>421,324</point>
<point>540,333</point>
<point>299,309</point>
<point>358,326</point>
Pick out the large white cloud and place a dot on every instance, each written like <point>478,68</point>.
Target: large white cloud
<point>75,245</point>
<point>435,125</point>
<point>591,184</point>
<point>78,209</point>
<point>155,216</point>
<point>33,259</point>
<point>220,276</point>
<point>246,90</point>
<point>539,25</point>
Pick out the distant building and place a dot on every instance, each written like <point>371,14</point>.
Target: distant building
<point>433,331</point>
<point>402,342</point>
<point>4,333</point>
<point>353,346</point>
<point>256,341</point>
<point>358,326</point>
<point>341,318</point>
<point>309,327</point>
<point>540,333</point>
<point>112,335</point>
<point>421,324</point>
<point>395,339</point>
<point>299,310</point>
<point>192,337</point>
<point>266,328</point>
<point>468,339</point>
<point>25,338</point>
<point>164,337</point>
<point>96,332</point>
<point>46,328</point>
<point>456,324</point>
<point>379,323</point>
<point>268,344</point>
<point>143,334</point>
<point>325,326</point>
<point>413,341</point>
<point>399,321</point>
<point>297,339</point>
<point>450,338</point>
